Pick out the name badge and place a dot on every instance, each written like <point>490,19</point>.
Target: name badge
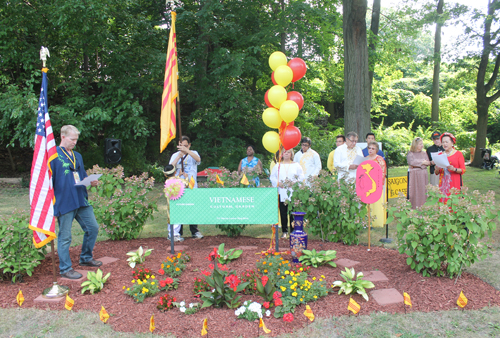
<point>77,177</point>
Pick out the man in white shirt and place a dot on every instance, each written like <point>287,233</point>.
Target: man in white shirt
<point>344,157</point>
<point>186,162</point>
<point>308,159</point>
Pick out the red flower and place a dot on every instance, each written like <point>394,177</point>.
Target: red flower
<point>205,272</point>
<point>140,270</point>
<point>276,295</point>
<point>288,317</point>
<point>278,301</point>
<point>233,281</point>
<point>266,305</point>
<point>264,280</point>
<point>211,266</point>
<point>213,255</point>
<point>163,283</point>
<point>161,272</point>
<point>161,301</point>
<point>169,280</point>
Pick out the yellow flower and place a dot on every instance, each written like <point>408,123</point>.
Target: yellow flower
<point>147,276</point>
<point>283,288</point>
<point>265,271</point>
<point>290,282</point>
<point>144,281</point>
<point>271,264</point>
<point>133,280</point>
<point>179,255</point>
<point>294,294</point>
<point>314,278</point>
<point>124,287</point>
<point>128,289</point>
<point>153,283</point>
<point>162,266</point>
<point>301,299</point>
<point>177,269</point>
<point>292,274</point>
<point>294,279</point>
<point>139,282</point>
<point>301,269</point>
<point>315,297</point>
<point>168,266</point>
<point>144,290</point>
<point>322,276</point>
<point>153,277</point>
<point>287,272</point>
<point>264,263</point>
<point>282,277</point>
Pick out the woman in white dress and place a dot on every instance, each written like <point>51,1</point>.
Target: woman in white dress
<point>286,169</point>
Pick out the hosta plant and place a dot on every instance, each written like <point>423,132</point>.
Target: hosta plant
<point>95,281</point>
<point>315,259</point>
<point>229,255</point>
<point>353,283</point>
<point>138,256</point>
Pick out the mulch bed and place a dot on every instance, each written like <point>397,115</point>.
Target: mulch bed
<point>428,294</point>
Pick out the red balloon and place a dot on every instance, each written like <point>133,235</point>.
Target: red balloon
<point>283,126</point>
<point>272,79</point>
<point>298,67</point>
<point>296,97</point>
<point>267,100</point>
<point>290,137</point>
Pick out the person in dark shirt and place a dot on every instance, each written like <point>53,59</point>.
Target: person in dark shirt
<point>72,203</point>
<point>434,180</point>
<point>370,137</point>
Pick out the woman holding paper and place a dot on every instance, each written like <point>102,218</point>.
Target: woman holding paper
<point>418,161</point>
<point>451,176</point>
<point>378,211</point>
<point>286,170</point>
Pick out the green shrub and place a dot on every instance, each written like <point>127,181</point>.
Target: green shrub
<point>18,255</point>
<point>440,238</point>
<point>121,206</point>
<point>332,208</point>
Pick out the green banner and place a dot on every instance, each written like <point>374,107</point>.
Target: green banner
<point>226,206</point>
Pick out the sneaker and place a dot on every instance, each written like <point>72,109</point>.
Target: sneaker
<point>71,274</point>
<point>198,235</point>
<point>284,235</point>
<point>92,263</point>
<point>178,239</point>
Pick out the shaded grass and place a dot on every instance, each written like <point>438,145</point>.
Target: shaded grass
<point>454,323</point>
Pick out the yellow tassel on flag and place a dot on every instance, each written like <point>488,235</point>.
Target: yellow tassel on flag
<point>103,315</point>
<point>309,313</point>
<point>244,180</point>
<point>353,306</point>
<point>263,326</point>
<point>204,328</point>
<point>218,180</point>
<point>68,304</point>
<point>20,298</point>
<point>462,300</point>
<point>407,299</point>
<point>191,182</point>
<point>152,326</point>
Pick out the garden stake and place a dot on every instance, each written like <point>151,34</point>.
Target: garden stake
<point>404,305</point>
<point>369,226</point>
<point>171,237</point>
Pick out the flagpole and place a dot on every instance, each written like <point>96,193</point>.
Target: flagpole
<point>55,291</point>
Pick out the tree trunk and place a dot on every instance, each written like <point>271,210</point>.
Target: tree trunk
<point>482,86</point>
<point>374,28</point>
<point>356,82</point>
<point>437,65</point>
<point>283,34</point>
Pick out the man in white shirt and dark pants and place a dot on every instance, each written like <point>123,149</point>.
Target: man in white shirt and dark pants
<point>186,162</point>
<point>308,159</point>
<point>344,157</point>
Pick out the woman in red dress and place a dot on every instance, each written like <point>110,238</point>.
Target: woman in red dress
<point>451,177</point>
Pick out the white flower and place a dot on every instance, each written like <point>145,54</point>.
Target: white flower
<point>268,313</point>
<point>182,304</point>
<point>191,305</point>
<point>255,307</point>
<point>246,302</point>
<point>259,314</point>
<point>182,309</point>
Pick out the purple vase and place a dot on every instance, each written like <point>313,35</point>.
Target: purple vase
<point>298,238</point>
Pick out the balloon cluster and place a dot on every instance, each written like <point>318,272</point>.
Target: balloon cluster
<point>283,107</point>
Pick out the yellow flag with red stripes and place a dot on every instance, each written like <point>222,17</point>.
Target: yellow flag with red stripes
<point>192,183</point>
<point>407,299</point>
<point>353,306</point>
<point>218,180</point>
<point>244,180</point>
<point>170,91</point>
<point>103,315</point>
<point>462,300</point>
<point>68,304</point>
<point>152,326</point>
<point>20,298</point>
<point>309,313</point>
<point>204,328</point>
<point>263,326</point>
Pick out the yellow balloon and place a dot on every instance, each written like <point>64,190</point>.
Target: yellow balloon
<point>289,110</point>
<point>283,75</point>
<point>271,141</point>
<point>272,118</point>
<point>277,59</point>
<point>276,96</point>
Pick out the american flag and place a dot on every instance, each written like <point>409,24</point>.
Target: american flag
<point>42,220</point>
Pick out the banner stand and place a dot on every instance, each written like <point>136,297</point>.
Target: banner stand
<point>386,239</point>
